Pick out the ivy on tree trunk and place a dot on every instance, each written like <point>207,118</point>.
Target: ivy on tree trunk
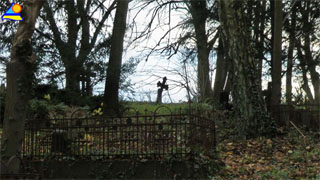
<point>249,107</point>
<point>19,87</point>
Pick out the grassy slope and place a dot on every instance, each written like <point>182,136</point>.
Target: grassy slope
<point>143,107</point>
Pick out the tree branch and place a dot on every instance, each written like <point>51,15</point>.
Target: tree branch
<point>213,41</point>
<point>55,30</point>
<point>98,29</point>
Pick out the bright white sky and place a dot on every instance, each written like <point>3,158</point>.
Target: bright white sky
<point>149,72</point>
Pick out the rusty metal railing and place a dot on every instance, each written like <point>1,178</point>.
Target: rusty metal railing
<point>148,136</point>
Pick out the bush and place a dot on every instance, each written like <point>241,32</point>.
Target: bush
<point>38,109</point>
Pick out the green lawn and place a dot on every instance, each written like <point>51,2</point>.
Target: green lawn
<point>143,107</point>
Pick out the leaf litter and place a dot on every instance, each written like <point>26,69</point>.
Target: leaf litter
<point>287,156</point>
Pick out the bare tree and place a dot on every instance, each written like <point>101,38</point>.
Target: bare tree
<point>197,35</point>
<point>199,12</point>
<point>305,83</point>
<point>111,93</point>
<point>292,35</point>
<point>308,55</point>
<point>75,50</point>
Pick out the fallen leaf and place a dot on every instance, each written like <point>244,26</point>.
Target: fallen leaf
<point>229,153</point>
<point>308,148</point>
<point>269,141</point>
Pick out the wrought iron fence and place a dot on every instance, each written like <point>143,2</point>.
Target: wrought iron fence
<point>303,115</point>
<point>149,136</point>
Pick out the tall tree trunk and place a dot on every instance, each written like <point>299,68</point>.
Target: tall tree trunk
<point>311,63</point>
<point>290,57</point>
<point>261,40</point>
<point>111,92</point>
<point>249,106</point>
<point>221,73</point>
<point>199,15</point>
<point>72,69</point>
<point>272,33</point>
<point>305,85</point>
<point>19,87</point>
<point>69,57</point>
<point>72,77</point>
<point>277,53</point>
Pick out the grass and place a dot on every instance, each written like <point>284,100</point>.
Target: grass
<point>145,107</point>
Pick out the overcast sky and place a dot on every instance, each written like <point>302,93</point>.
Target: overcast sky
<point>149,72</point>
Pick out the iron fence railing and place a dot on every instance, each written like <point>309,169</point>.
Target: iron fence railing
<point>303,115</point>
<point>142,136</point>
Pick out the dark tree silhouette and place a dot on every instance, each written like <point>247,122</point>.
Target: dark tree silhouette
<point>111,93</point>
<point>19,86</point>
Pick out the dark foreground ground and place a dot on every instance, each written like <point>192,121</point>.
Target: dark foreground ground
<point>290,156</point>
